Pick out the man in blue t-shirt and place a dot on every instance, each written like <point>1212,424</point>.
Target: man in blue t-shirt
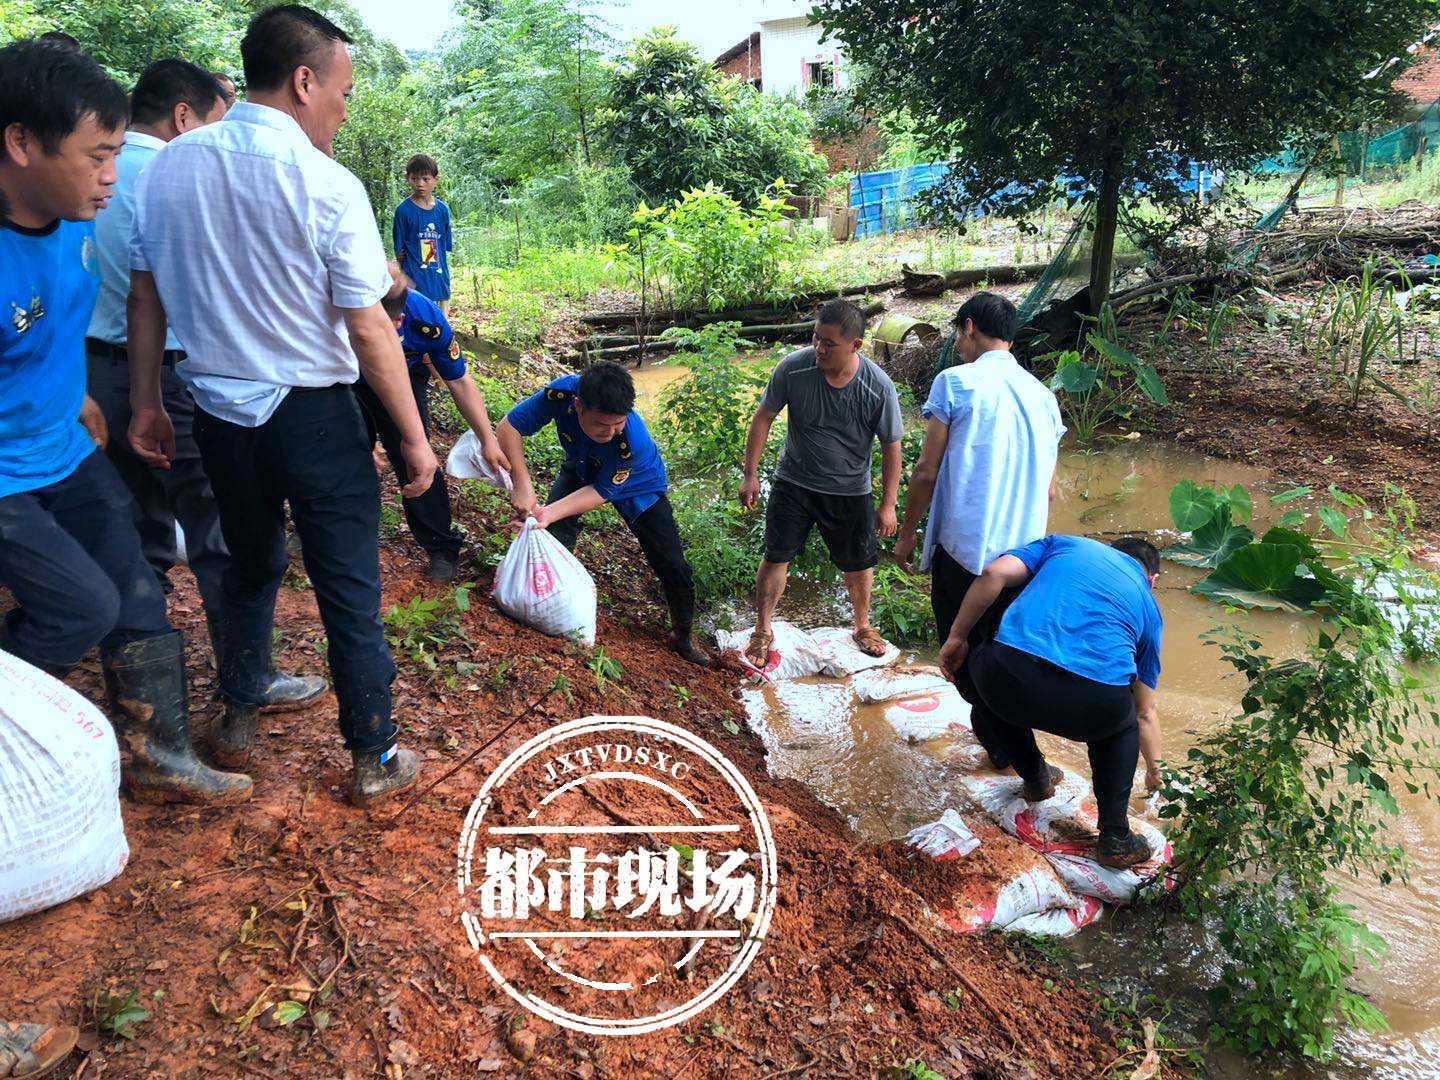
<point>421,232</point>
<point>429,345</point>
<point>69,551</point>
<point>609,457</point>
<point>1077,654</point>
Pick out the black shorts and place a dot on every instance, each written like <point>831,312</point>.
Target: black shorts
<point>846,523</point>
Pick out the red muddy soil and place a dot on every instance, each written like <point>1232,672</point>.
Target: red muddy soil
<point>298,896</point>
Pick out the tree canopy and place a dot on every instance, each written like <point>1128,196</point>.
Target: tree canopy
<point>1116,96</point>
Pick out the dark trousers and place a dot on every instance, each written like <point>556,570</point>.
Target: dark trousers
<point>70,555</point>
<point>314,453</point>
<point>1027,694</point>
<point>428,514</point>
<point>659,540</point>
<point>163,496</point>
<point>949,582</point>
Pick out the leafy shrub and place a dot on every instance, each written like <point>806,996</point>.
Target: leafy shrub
<point>1274,804</point>
<point>723,541</point>
<point>427,623</point>
<point>1106,384</point>
<point>900,607</point>
<point>676,123</point>
<point>705,417</point>
<point>707,251</point>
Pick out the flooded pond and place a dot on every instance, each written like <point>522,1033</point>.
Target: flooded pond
<point>817,733</point>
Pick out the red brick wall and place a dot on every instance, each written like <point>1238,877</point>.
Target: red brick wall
<point>746,64</point>
<point>1422,82</point>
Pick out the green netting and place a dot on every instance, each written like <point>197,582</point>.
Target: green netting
<point>1069,271</point>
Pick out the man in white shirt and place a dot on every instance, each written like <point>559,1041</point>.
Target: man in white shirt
<point>992,437</point>
<point>170,98</point>
<point>263,253</point>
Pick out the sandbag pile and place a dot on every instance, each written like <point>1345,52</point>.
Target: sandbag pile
<point>61,833</point>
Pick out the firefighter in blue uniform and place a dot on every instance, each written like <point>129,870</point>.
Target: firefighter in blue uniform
<point>429,345</point>
<point>609,457</point>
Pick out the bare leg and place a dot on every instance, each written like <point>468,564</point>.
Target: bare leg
<point>769,587</point>
<point>859,582</point>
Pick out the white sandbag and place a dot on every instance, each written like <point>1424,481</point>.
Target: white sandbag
<point>180,545</point>
<point>61,834</point>
<point>1064,829</point>
<point>540,583</point>
<point>794,654</point>
<point>1011,888</point>
<point>928,716</point>
<point>845,657</point>
<point>466,462</point>
<point>887,684</point>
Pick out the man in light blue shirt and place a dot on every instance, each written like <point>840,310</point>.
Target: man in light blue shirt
<point>985,474</point>
<point>170,98</point>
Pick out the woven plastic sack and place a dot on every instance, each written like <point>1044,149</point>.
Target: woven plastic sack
<point>466,462</point>
<point>540,583</point>
<point>847,658</point>
<point>887,684</point>
<point>794,654</point>
<point>61,834</point>
<point>928,716</point>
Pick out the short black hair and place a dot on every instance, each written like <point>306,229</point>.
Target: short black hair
<point>1142,551</point>
<point>48,88</point>
<point>229,92</point>
<point>166,83</point>
<point>606,388</point>
<point>842,314</point>
<point>992,314</point>
<point>395,300</point>
<point>283,38</point>
<point>422,165</point>
<point>60,37</point>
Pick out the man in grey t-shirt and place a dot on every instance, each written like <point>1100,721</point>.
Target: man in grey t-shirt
<point>839,404</point>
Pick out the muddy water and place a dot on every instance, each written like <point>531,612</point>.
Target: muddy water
<point>817,733</point>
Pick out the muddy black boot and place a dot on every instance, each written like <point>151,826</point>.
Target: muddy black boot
<point>1039,793</point>
<point>1119,850</point>
<point>684,643</point>
<point>282,693</point>
<point>145,681</point>
<point>30,1051</point>
<point>233,734</point>
<point>378,774</point>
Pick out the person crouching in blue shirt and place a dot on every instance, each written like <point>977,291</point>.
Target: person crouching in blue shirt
<point>429,344</point>
<point>1077,655</point>
<point>69,550</point>
<point>609,457</point>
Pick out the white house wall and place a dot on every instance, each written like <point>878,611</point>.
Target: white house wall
<point>786,46</point>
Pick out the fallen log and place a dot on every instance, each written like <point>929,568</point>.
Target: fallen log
<point>681,317</point>
<point>918,283</point>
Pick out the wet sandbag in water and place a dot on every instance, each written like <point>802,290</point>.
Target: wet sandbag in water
<point>986,880</point>
<point>928,716</point>
<point>1064,829</point>
<point>541,584</point>
<point>889,684</point>
<point>61,833</point>
<point>846,657</point>
<point>794,653</point>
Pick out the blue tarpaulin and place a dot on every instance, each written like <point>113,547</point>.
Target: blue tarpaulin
<point>886,200</point>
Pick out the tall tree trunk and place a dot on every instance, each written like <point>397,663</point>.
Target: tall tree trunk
<point>1102,254</point>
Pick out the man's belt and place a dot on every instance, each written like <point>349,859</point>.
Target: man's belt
<point>119,354</point>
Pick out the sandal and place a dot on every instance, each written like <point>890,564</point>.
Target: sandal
<point>757,652</point>
<point>870,641</point>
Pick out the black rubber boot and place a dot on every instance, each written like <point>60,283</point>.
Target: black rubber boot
<point>145,681</point>
<point>1119,850</point>
<point>288,693</point>
<point>233,734</point>
<point>283,693</point>
<point>379,774</point>
<point>684,643</point>
<point>31,1051</point>
<point>443,567</point>
<point>1032,793</point>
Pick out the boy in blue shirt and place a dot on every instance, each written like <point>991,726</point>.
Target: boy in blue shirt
<point>429,345</point>
<point>69,551</point>
<point>1077,654</point>
<point>609,457</point>
<point>422,232</point>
